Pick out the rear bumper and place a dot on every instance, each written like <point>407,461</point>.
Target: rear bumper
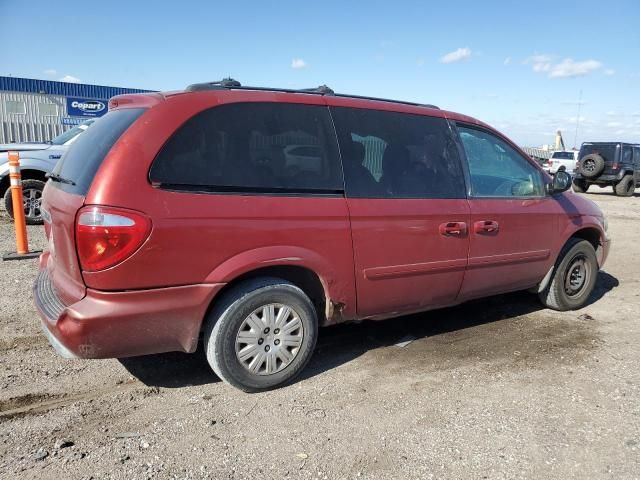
<point>123,324</point>
<point>603,179</point>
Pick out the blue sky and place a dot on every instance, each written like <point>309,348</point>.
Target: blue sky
<point>519,66</point>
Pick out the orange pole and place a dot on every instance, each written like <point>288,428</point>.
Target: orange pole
<point>22,243</point>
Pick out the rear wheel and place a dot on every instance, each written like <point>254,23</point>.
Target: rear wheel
<point>573,278</point>
<point>32,201</point>
<point>625,187</point>
<point>261,334</point>
<point>580,186</point>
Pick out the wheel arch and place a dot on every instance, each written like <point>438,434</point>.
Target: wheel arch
<point>334,298</point>
<point>33,174</point>
<point>304,278</point>
<point>589,232</point>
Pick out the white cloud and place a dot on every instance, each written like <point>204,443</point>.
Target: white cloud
<point>609,71</point>
<point>456,55</point>
<point>611,113</point>
<point>298,63</point>
<point>570,68</point>
<point>50,71</point>
<point>539,63</point>
<point>614,124</point>
<point>507,61</point>
<point>70,79</point>
<point>565,69</point>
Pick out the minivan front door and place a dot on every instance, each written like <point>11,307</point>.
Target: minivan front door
<point>512,222</point>
<point>408,210</point>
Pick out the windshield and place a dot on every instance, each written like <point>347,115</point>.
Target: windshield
<point>563,155</point>
<point>71,134</point>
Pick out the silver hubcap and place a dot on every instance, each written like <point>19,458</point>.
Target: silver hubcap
<point>31,199</point>
<point>577,276</point>
<point>269,339</point>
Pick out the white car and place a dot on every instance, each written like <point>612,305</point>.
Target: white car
<point>36,160</point>
<point>567,158</point>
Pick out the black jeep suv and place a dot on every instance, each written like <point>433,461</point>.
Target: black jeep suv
<point>608,163</point>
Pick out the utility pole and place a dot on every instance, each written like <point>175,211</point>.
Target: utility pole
<point>575,138</point>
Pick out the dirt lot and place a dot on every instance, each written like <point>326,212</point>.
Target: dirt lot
<point>500,388</point>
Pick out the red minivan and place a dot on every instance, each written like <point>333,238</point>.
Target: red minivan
<point>245,218</point>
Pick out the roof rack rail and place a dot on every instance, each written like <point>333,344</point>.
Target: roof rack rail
<point>322,90</point>
<point>220,84</point>
<point>378,99</point>
<point>231,84</point>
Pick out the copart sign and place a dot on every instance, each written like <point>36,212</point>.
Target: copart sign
<point>86,107</point>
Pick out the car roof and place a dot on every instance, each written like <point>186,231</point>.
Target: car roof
<point>612,143</point>
<point>229,90</point>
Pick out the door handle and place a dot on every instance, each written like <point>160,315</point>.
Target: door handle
<point>486,226</point>
<point>453,229</point>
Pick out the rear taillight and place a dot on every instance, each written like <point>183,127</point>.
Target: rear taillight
<point>105,236</point>
<point>615,166</point>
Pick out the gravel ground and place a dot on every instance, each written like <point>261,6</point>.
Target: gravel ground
<point>498,388</point>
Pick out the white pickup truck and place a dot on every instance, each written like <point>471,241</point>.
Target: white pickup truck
<point>567,158</point>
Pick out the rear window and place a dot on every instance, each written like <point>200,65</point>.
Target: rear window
<point>252,148</point>
<point>563,155</point>
<point>81,162</point>
<point>608,151</point>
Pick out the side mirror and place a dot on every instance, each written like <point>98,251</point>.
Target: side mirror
<point>561,182</point>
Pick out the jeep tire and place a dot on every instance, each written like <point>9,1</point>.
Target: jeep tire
<point>625,187</point>
<point>580,186</point>
<point>591,165</point>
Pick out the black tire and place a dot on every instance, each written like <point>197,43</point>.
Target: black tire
<point>32,192</point>
<point>580,186</point>
<point>625,187</point>
<point>229,315</point>
<point>556,295</point>
<point>592,165</point>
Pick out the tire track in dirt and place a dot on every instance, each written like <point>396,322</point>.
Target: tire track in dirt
<point>34,403</point>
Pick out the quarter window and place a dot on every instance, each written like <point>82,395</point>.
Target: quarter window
<point>496,169</point>
<point>252,147</point>
<point>397,155</point>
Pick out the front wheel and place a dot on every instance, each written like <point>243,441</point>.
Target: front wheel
<point>580,186</point>
<point>261,334</point>
<point>32,200</point>
<point>573,278</point>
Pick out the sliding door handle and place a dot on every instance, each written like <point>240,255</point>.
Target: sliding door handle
<point>486,226</point>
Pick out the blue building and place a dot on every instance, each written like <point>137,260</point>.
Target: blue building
<point>39,110</point>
